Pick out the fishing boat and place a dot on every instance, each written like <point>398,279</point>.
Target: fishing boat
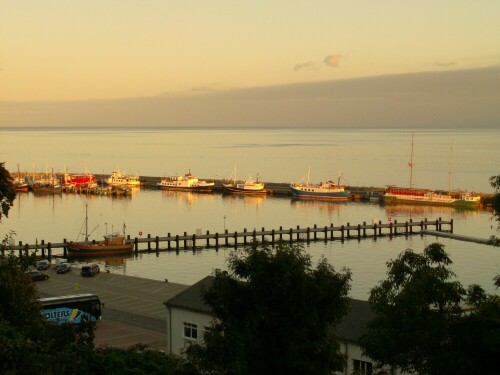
<point>249,186</point>
<point>118,178</point>
<point>20,184</point>
<point>49,185</point>
<point>113,244</point>
<point>45,183</point>
<point>396,194</point>
<point>188,182</point>
<point>328,190</point>
<point>79,180</point>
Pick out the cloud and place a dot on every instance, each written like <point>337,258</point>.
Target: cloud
<point>332,60</point>
<point>306,65</point>
<point>443,98</point>
<point>445,64</point>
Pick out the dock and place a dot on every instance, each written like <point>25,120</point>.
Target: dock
<point>457,237</point>
<point>244,237</point>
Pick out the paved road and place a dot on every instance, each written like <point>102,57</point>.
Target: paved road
<point>133,307</point>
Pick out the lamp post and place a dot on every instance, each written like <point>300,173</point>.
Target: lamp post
<point>224,223</point>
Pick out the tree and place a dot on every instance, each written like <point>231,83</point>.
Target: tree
<point>274,314</point>
<point>495,184</point>
<point>31,345</point>
<point>7,192</point>
<point>421,325</point>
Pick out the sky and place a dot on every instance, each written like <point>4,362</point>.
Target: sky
<point>280,63</point>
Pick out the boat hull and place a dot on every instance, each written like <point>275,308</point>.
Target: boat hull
<point>98,249</point>
<point>391,199</point>
<point>201,189</point>
<point>429,197</point>
<point>21,188</point>
<point>237,190</point>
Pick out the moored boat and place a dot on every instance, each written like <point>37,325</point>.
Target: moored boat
<point>395,194</point>
<point>113,244</point>
<point>20,184</point>
<point>118,178</point>
<point>248,186</point>
<point>86,180</point>
<point>188,182</point>
<point>324,190</point>
<point>328,190</point>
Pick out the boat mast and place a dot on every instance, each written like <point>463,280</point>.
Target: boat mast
<point>86,224</point>
<point>449,168</point>
<point>410,164</point>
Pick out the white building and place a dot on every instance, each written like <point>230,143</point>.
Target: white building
<point>188,318</point>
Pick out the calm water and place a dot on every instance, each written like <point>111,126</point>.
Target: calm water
<point>461,159</point>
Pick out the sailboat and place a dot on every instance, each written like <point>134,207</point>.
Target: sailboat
<point>20,183</point>
<point>48,183</point>
<point>395,194</point>
<point>113,244</point>
<point>324,190</point>
<point>249,186</point>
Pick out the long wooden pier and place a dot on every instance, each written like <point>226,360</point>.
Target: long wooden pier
<point>198,241</point>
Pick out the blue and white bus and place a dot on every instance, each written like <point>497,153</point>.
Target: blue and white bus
<point>72,309</point>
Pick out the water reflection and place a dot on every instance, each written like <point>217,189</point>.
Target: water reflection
<point>187,197</point>
<point>322,205</point>
<point>245,199</point>
<point>409,210</point>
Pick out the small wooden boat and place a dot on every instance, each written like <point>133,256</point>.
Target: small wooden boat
<point>113,244</point>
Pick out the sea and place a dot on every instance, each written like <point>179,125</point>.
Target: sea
<point>448,159</point>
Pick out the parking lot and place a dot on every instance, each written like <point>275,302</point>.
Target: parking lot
<point>133,307</point>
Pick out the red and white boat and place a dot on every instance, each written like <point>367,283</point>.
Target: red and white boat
<point>79,180</point>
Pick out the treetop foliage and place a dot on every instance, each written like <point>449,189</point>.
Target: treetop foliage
<point>274,314</point>
<point>7,192</point>
<point>426,322</point>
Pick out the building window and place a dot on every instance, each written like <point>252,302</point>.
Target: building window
<point>190,331</point>
<point>361,367</point>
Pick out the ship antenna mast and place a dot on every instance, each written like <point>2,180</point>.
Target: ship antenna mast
<point>449,168</point>
<point>86,224</point>
<point>410,164</point>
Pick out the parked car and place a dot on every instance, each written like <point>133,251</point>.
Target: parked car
<point>37,275</point>
<point>90,269</point>
<point>63,268</point>
<point>43,265</point>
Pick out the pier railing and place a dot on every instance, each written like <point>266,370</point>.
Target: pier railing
<point>235,239</point>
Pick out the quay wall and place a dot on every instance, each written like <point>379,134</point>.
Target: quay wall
<point>273,188</point>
